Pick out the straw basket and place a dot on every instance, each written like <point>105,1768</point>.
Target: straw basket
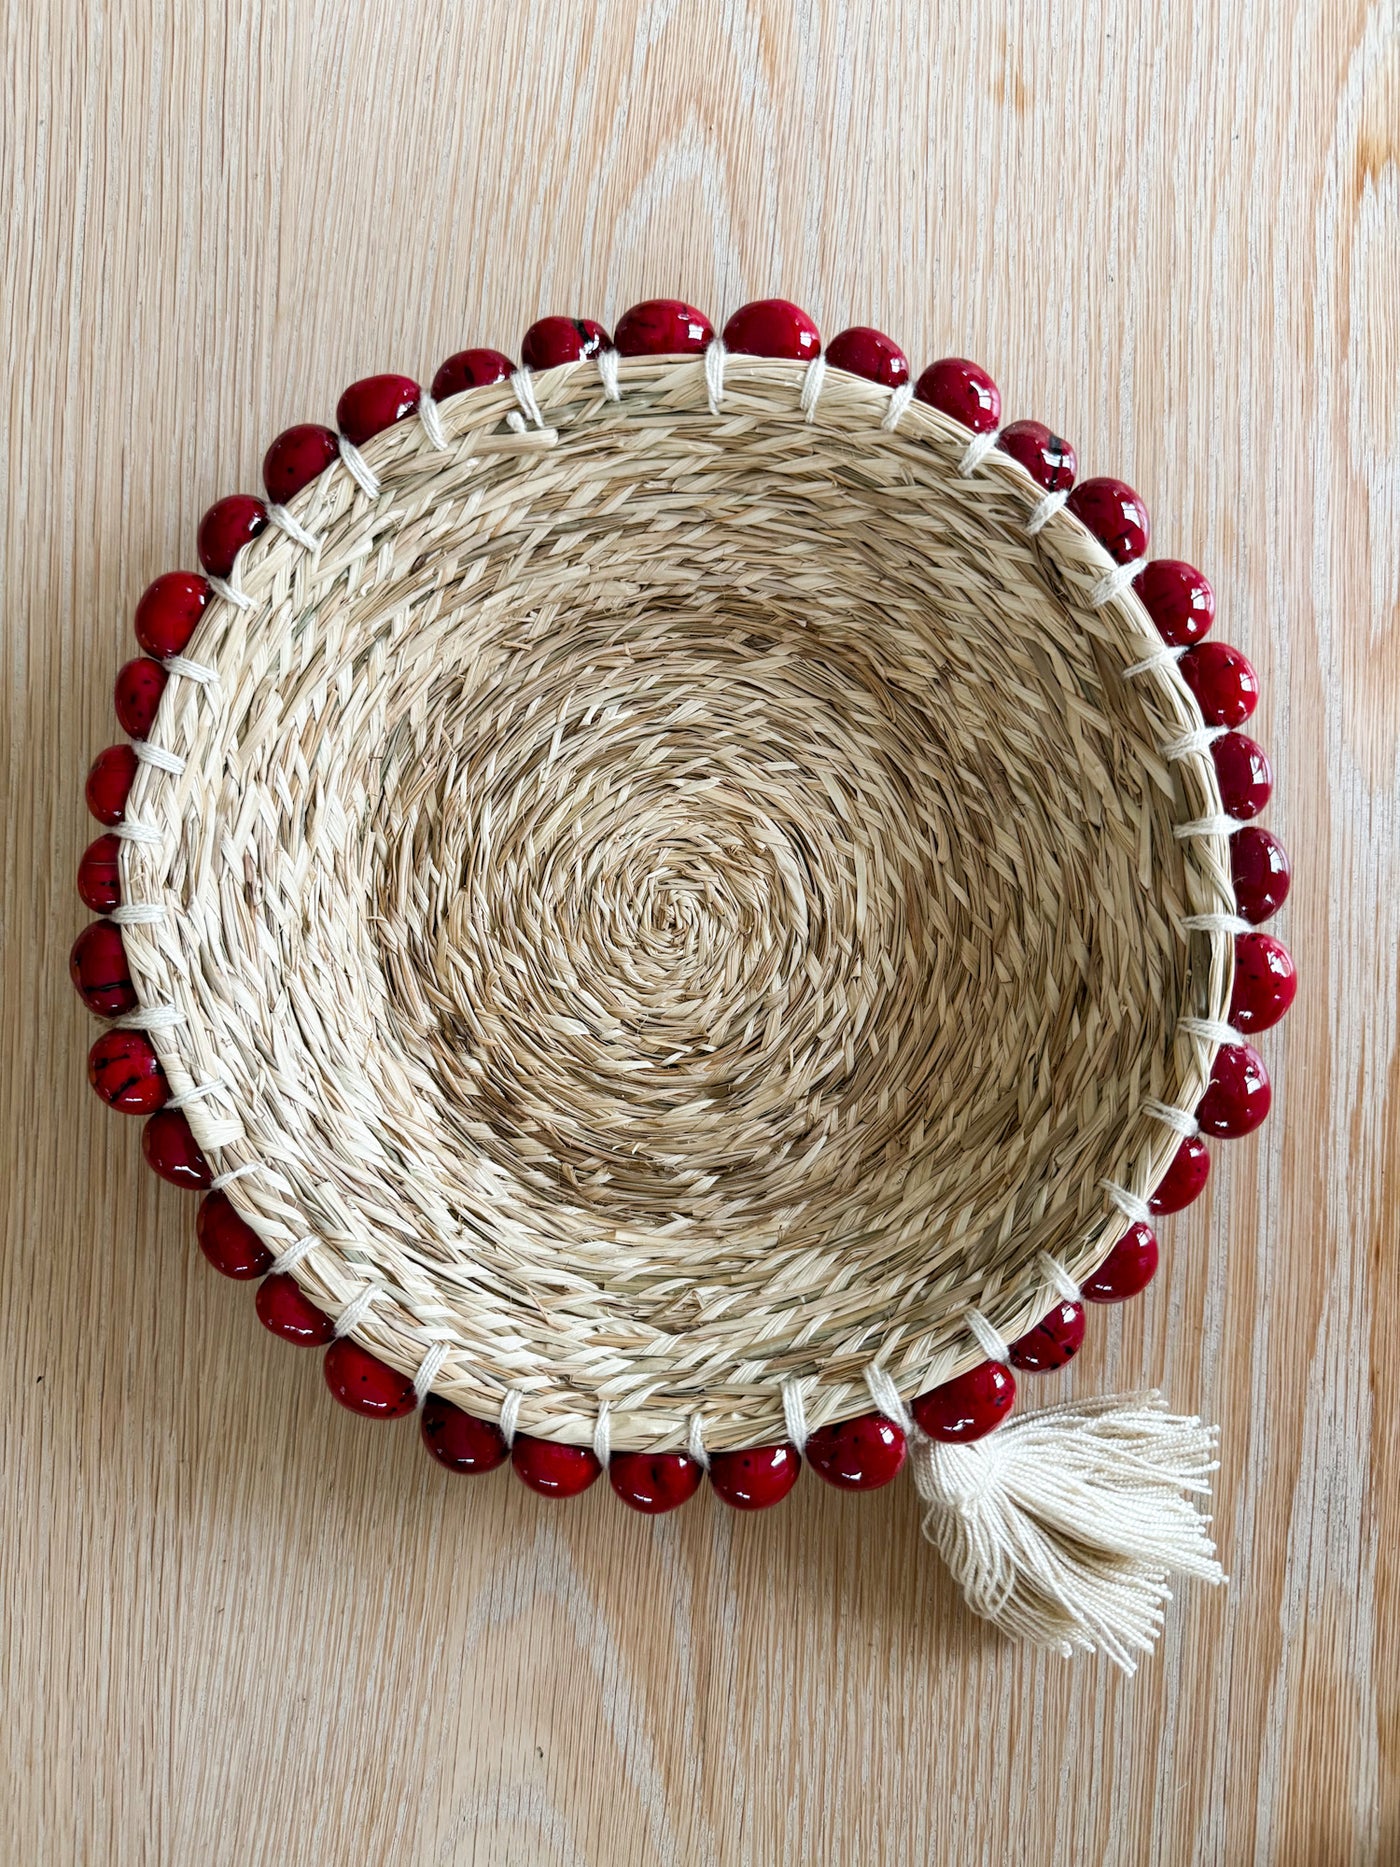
<point>682,899</point>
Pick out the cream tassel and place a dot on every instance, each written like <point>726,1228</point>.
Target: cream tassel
<point>1062,1526</point>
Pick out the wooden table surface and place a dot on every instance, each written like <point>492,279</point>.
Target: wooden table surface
<point>241,1625</point>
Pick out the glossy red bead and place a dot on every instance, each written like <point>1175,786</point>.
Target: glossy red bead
<point>1055,1339</point>
<point>1244,774</point>
<point>168,1143</point>
<point>99,874</point>
<point>226,527</point>
<point>1128,1269</point>
<point>553,1470</point>
<point>1238,1094</point>
<point>460,1441</point>
<point>169,612</point>
<point>1184,1179</point>
<point>136,695</point>
<point>1178,599</point>
<point>235,1250</point>
<point>654,1482</point>
<point>552,341</point>
<point>1045,455</point>
<point>857,1455</point>
<point>471,369</point>
<point>365,1384</point>
<point>663,327</point>
<point>297,457</point>
<point>375,403</point>
<point>962,389</point>
<point>755,1478</point>
<point>869,353</point>
<point>968,1406</point>
<point>1223,681</point>
<point>125,1071</point>
<point>109,781</point>
<point>284,1310</point>
<point>1261,872</point>
<point>97,966</point>
<point>1115,515</point>
<point>773,327</point>
<point>1265,982</point>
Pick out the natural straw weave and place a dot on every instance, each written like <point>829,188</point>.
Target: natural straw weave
<point>675,899</point>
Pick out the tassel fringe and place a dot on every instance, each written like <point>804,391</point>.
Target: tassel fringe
<point>1062,1526</point>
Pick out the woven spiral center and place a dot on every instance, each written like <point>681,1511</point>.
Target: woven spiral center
<point>677,904</point>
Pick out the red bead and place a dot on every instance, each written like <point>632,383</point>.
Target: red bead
<point>552,341</point>
<point>1261,870</point>
<point>461,1441</point>
<point>773,327</point>
<point>171,1150</point>
<point>1178,599</point>
<point>1055,1339</point>
<point>654,1482</point>
<point>373,404</point>
<point>553,1470</point>
<point>1223,681</point>
<point>125,1071</point>
<point>968,1406</point>
<point>1238,1095</point>
<point>234,1248</point>
<point>286,1312</point>
<point>100,876</point>
<point>136,696</point>
<point>1049,460</point>
<point>365,1384</point>
<point>1265,982</point>
<point>226,527</point>
<point>297,457</point>
<point>869,353</point>
<point>857,1455</point>
<point>169,612</point>
<point>109,781</point>
<point>1184,1179</point>
<point>663,327</point>
<point>1115,515</point>
<point>97,966</point>
<point>471,369</point>
<point>962,389</point>
<point>1128,1268</point>
<point>755,1478</point>
<point>1244,774</point>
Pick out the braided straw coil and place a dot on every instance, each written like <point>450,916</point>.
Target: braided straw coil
<point>679,894</point>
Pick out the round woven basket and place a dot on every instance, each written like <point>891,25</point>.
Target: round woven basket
<point>680,891</point>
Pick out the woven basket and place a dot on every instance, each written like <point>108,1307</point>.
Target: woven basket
<point>680,895</point>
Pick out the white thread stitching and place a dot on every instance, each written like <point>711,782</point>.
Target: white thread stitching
<point>356,1309</point>
<point>510,1414</point>
<point>188,670</point>
<point>196,1094</point>
<point>1129,1204</point>
<point>522,382</point>
<point>230,593</point>
<point>887,1397</point>
<point>812,386</point>
<point>1200,739</point>
<point>1058,1278</point>
<point>900,398</point>
<point>288,1260</point>
<point>975,453</point>
<point>429,1369</point>
<point>162,760</point>
<point>432,422</point>
<point>607,371</point>
<point>715,355</point>
<point>602,1434</point>
<point>1043,511</point>
<point>1217,923</point>
<point>794,1412</point>
<point>1181,1120</point>
<point>1210,1030</point>
<point>695,1442</point>
<point>133,830</point>
<point>1220,825</point>
<point>221,1180</point>
<point>359,469</point>
<point>150,1018</point>
<point>138,913</point>
<point>286,522</point>
<point>1159,658</point>
<point>1114,582</point>
<point>987,1336</point>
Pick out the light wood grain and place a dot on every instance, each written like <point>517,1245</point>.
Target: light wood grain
<point>241,1625</point>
